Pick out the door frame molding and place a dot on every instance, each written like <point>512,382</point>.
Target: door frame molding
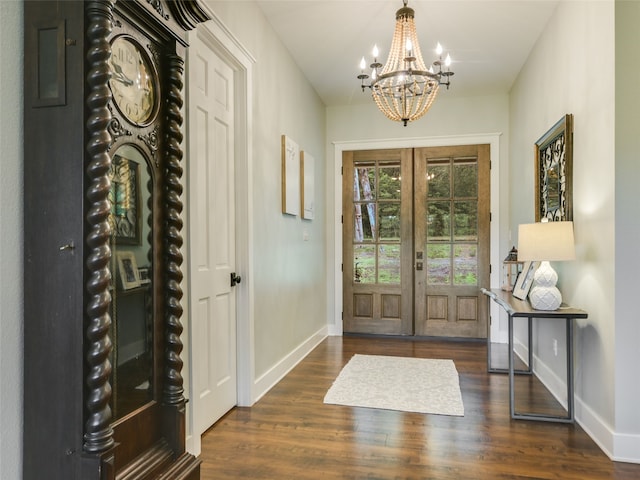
<point>334,227</point>
<point>219,39</point>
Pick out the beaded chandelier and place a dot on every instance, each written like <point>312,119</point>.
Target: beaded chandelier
<point>404,88</point>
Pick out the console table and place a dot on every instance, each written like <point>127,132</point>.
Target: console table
<point>516,308</point>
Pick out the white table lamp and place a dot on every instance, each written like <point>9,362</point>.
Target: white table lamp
<point>545,242</point>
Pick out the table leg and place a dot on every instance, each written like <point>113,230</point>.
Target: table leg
<point>512,394</point>
<point>530,322</point>
<point>489,369</point>
<point>570,387</point>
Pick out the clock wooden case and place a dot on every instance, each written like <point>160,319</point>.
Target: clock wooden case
<point>103,388</point>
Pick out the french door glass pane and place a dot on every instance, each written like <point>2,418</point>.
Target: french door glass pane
<point>389,182</point>
<point>465,227</point>
<point>439,181</point>
<point>364,182</point>
<point>389,264</point>
<point>438,264</point>
<point>465,266</point>
<point>438,221</point>
<point>390,222</point>
<point>465,180</point>
<point>364,263</point>
<point>364,215</point>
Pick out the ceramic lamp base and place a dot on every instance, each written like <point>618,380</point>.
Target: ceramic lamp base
<point>545,298</point>
<point>544,295</point>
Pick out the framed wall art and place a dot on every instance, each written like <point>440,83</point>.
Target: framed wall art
<point>125,200</point>
<point>307,181</point>
<point>553,172</point>
<point>127,270</point>
<point>290,176</point>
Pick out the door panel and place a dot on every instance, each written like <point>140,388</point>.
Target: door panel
<point>212,239</point>
<point>452,233</point>
<point>416,241</point>
<point>377,236</point>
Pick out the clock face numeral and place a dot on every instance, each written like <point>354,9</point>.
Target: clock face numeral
<point>133,81</point>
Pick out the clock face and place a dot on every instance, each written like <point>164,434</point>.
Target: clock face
<point>133,81</point>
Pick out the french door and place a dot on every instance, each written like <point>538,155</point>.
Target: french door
<point>416,241</point>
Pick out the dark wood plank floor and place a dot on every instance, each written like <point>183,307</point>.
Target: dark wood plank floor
<point>291,434</point>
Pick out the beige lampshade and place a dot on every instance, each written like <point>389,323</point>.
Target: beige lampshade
<point>551,241</point>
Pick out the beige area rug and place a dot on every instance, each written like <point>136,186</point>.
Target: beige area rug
<point>398,383</point>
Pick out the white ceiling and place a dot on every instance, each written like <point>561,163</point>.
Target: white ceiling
<point>489,41</point>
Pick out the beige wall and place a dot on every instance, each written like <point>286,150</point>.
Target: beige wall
<point>11,53</point>
<point>289,272</point>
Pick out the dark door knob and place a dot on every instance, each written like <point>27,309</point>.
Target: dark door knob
<point>235,279</point>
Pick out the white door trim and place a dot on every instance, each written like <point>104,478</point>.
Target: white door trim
<point>219,39</point>
<point>334,286</point>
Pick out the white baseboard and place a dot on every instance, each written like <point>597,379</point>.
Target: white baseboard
<point>618,447</point>
<point>626,448</point>
<point>335,330</point>
<point>521,350</point>
<point>191,446</point>
<point>276,373</point>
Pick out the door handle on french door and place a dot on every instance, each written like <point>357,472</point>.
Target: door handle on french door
<point>235,279</point>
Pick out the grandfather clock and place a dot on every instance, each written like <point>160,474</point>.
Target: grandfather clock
<point>103,390</point>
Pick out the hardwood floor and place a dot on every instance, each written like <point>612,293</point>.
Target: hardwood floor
<point>291,434</point>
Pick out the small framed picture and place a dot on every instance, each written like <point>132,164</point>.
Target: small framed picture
<point>524,280</point>
<point>127,270</point>
<point>143,274</point>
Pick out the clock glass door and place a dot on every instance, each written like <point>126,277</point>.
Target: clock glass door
<point>131,293</point>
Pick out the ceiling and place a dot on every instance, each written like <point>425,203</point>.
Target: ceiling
<point>488,41</point>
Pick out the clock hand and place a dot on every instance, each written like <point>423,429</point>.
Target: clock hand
<point>119,75</point>
<point>123,79</point>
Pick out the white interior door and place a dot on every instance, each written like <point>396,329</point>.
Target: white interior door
<point>212,235</point>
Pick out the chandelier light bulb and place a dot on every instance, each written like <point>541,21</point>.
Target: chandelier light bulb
<point>447,61</point>
<point>409,46</point>
<point>363,64</point>
<point>375,52</point>
<point>374,75</point>
<point>438,49</point>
